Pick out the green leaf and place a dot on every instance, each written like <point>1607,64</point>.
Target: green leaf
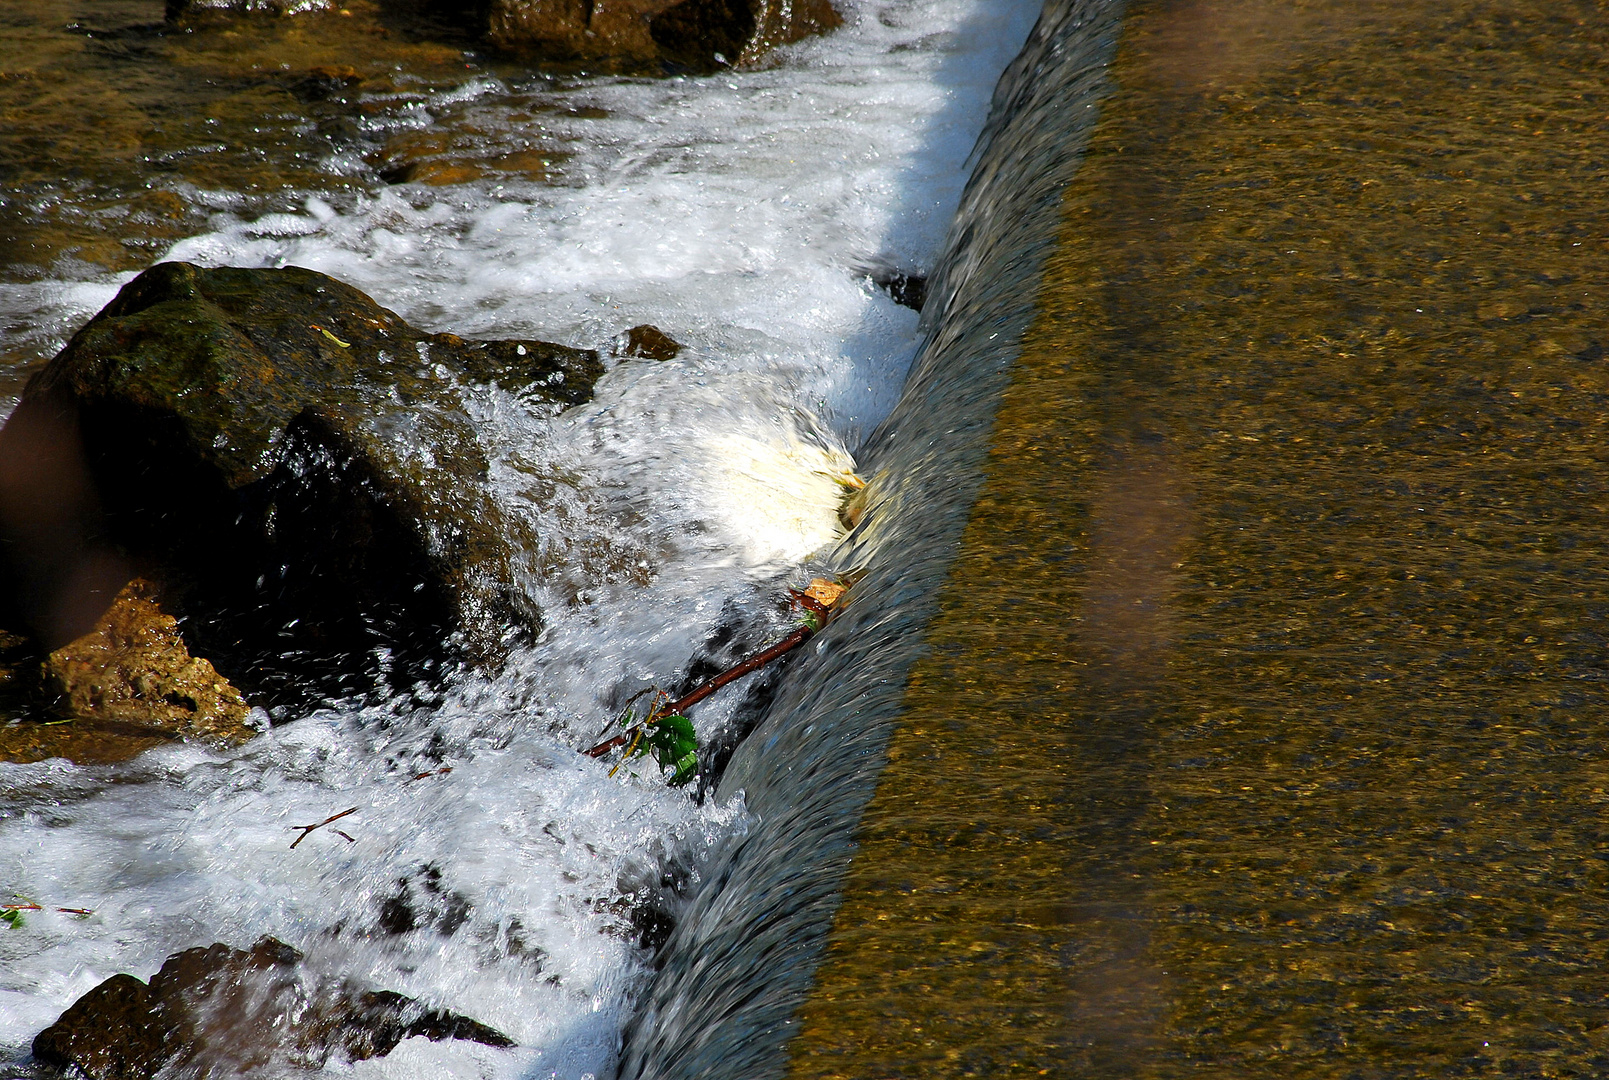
<point>14,919</point>
<point>679,724</point>
<point>686,769</point>
<point>674,744</point>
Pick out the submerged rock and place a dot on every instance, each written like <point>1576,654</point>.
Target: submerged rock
<point>218,1011</point>
<point>905,287</point>
<point>298,459</point>
<point>701,35</point>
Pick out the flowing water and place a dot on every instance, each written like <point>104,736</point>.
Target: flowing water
<point>1223,694</point>
<point>737,213</point>
<point>1259,729</point>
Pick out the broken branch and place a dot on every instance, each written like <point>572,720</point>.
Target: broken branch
<point>819,601</point>
<point>307,830</point>
<point>753,663</point>
<point>606,746</point>
<point>704,690</point>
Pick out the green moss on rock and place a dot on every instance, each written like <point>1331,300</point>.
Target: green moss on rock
<point>301,460</point>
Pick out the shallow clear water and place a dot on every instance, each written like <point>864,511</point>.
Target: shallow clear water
<point>732,212</point>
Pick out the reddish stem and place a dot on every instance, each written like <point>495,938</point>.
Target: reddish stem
<point>606,746</point>
<point>758,660</point>
<point>307,830</point>
<point>682,704</point>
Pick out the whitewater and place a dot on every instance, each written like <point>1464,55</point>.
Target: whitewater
<point>738,213</point>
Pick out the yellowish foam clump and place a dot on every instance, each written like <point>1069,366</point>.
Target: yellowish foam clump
<point>781,498</point>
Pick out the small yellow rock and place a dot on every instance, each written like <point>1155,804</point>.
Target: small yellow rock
<point>134,668</point>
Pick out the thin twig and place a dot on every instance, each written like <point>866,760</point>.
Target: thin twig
<point>820,613</point>
<point>307,830</point>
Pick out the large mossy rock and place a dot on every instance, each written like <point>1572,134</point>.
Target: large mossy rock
<point>218,1011</point>
<point>294,461</point>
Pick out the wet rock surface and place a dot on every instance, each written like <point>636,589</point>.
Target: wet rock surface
<point>219,1011</point>
<point>298,459</point>
<point>133,668</point>
<point>126,686</point>
<point>907,288</point>
<point>700,35</point>
<point>647,342</point>
<point>179,9</point>
<point>18,659</point>
<point>107,108</point>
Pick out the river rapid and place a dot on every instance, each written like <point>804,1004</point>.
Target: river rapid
<point>737,212</point>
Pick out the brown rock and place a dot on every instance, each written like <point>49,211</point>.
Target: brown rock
<point>133,668</point>
<point>325,81</point>
<point>529,164</point>
<point>111,1033</point>
<point>782,22</point>
<point>218,1011</point>
<point>438,173</point>
<point>458,157</point>
<point>297,457</point>
<point>708,34</point>
<point>87,742</point>
<point>699,34</point>
<point>650,343</point>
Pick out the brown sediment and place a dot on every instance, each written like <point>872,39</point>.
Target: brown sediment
<point>121,134</point>
<point>1261,732</point>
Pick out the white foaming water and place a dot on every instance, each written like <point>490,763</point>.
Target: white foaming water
<point>729,211</point>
